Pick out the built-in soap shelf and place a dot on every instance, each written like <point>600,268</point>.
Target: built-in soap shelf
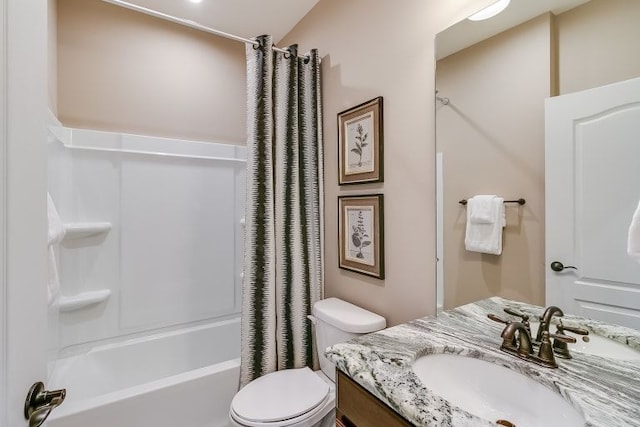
<point>80,230</point>
<point>83,300</point>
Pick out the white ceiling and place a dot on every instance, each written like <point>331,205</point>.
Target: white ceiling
<point>245,18</point>
<point>466,33</point>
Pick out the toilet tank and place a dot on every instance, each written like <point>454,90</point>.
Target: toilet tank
<point>339,321</point>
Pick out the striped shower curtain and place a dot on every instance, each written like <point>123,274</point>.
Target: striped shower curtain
<point>283,234</point>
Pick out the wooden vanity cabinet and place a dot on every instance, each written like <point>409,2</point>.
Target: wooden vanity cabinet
<point>356,407</point>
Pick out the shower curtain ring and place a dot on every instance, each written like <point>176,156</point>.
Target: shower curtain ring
<point>291,51</point>
<point>261,42</point>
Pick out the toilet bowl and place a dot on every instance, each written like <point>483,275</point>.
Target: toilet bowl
<point>292,397</point>
<point>302,397</point>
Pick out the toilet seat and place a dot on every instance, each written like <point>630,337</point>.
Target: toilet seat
<point>282,398</point>
<point>309,417</point>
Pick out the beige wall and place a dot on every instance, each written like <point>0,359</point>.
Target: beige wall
<point>120,70</point>
<point>604,33</point>
<point>383,48</point>
<point>491,135</point>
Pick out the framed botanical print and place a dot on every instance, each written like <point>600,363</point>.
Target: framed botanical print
<point>360,141</point>
<point>361,234</point>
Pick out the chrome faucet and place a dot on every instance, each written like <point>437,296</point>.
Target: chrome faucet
<point>545,321</point>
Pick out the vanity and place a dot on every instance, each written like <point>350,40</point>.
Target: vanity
<point>379,382</point>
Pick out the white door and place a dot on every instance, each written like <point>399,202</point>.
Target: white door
<point>23,317</point>
<point>592,188</point>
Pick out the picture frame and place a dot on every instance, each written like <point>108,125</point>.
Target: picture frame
<point>361,234</point>
<point>360,143</point>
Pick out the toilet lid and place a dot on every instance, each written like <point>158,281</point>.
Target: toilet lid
<point>280,396</point>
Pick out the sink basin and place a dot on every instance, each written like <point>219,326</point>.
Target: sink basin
<point>493,392</point>
<point>596,345</point>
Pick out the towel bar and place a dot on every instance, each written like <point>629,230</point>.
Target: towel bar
<point>519,201</point>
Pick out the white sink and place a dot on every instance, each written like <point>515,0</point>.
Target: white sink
<point>493,392</point>
<point>595,344</point>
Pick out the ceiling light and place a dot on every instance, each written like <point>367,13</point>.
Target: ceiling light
<point>490,11</point>
<point>195,1</point>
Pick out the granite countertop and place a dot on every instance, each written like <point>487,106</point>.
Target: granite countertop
<point>605,391</point>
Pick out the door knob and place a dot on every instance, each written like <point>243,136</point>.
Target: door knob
<point>558,266</point>
<point>40,402</point>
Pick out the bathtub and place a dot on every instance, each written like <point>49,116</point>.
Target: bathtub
<point>183,378</point>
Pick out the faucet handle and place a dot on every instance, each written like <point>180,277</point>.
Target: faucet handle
<point>560,347</point>
<point>524,317</point>
<point>563,338</point>
<point>498,319</point>
<point>574,329</point>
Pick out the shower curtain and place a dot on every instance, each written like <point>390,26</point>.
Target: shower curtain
<point>283,233</point>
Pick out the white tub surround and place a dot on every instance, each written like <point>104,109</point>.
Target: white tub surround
<point>605,391</point>
<point>153,235</point>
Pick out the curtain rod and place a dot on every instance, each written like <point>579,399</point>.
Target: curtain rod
<point>190,24</point>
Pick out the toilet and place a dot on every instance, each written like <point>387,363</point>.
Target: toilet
<point>302,397</point>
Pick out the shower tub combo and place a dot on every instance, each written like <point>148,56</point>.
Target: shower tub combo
<point>183,378</point>
<point>146,325</point>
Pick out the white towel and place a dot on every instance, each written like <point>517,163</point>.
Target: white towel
<point>481,209</point>
<point>485,237</point>
<point>55,236</point>
<point>633,245</point>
